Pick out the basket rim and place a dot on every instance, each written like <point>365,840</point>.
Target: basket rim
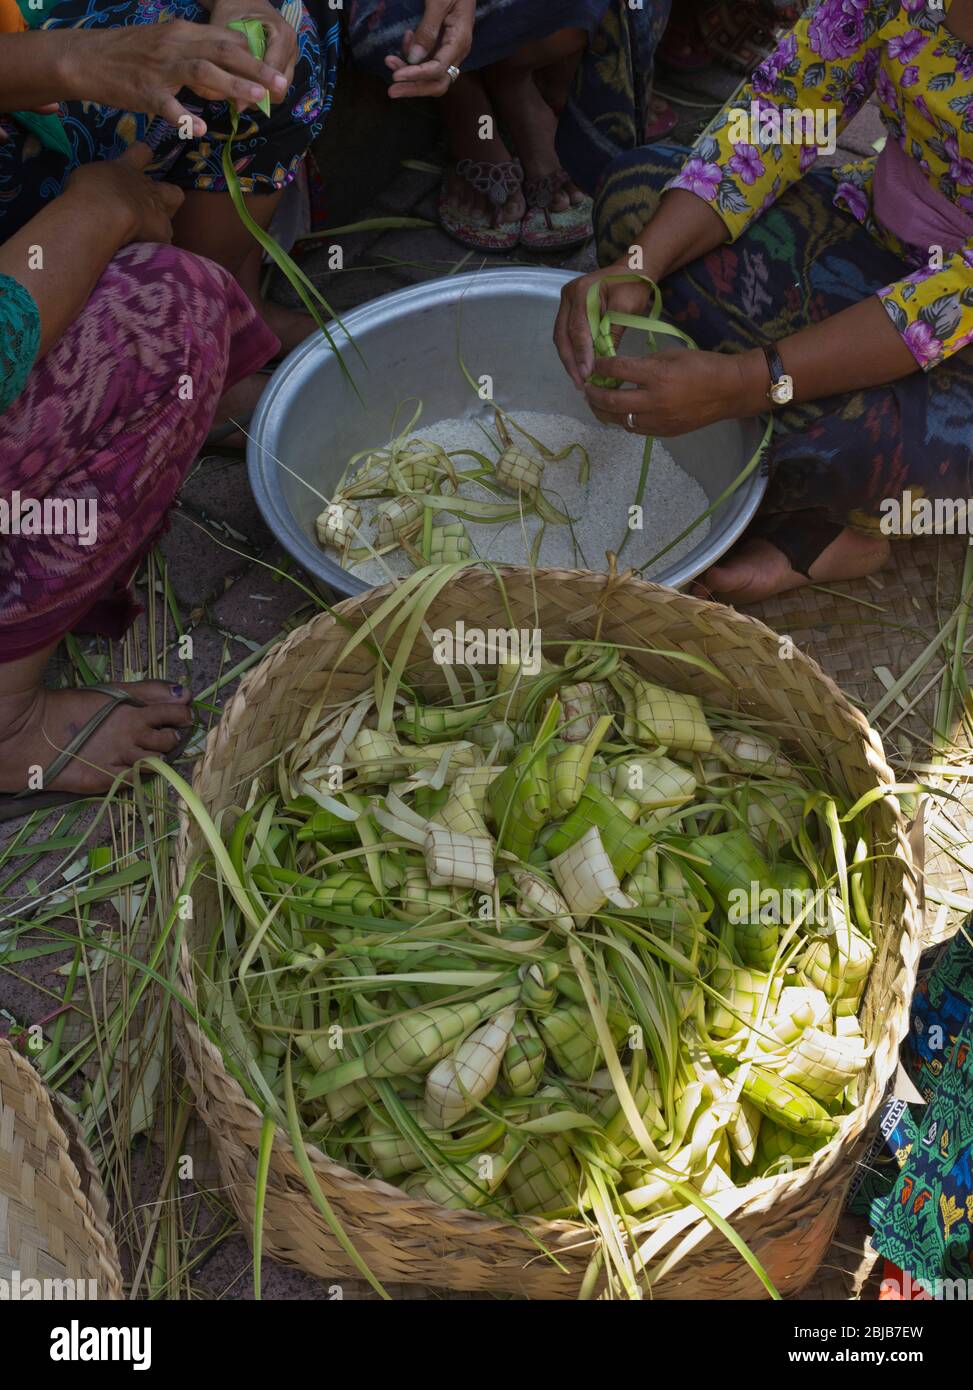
<point>757,1196</point>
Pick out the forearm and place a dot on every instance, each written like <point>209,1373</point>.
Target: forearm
<point>683,229</point>
<point>851,351</point>
<point>60,255</point>
<point>43,66</point>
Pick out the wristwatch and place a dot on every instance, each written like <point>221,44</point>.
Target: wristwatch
<point>781,385</point>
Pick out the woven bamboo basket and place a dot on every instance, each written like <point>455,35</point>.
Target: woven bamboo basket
<point>53,1212</point>
<point>788,1221</point>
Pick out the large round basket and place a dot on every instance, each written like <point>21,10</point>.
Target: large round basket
<point>787,1221</point>
<point>55,1240</point>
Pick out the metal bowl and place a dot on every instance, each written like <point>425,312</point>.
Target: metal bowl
<point>310,421</point>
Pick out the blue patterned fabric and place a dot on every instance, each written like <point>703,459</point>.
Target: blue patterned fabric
<point>918,1190</point>
<point>833,462</point>
<point>608,109</point>
<point>267,152</point>
<point>20,337</point>
<point>377,27</point>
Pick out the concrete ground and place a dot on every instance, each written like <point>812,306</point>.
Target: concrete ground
<point>231,583</point>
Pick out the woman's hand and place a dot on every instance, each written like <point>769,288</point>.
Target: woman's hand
<point>443,40</point>
<point>572,333</point>
<point>678,391</point>
<point>104,207</point>
<point>119,188</point>
<point>282,48</point>
<point>142,67</point>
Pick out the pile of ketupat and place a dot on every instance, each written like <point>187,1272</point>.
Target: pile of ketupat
<point>409,486</point>
<point>569,945</point>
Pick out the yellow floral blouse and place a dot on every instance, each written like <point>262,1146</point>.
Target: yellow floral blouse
<point>836,57</point>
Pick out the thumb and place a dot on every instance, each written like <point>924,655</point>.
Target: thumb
<point>426,37</point>
<point>139,156</point>
<point>173,197</point>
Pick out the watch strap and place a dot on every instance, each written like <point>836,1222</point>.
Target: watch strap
<point>774,362</point>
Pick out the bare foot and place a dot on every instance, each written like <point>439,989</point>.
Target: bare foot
<point>756,570</point>
<point>466,104</point>
<point>235,408</point>
<point>291,326</point>
<point>533,126</point>
<point>38,724</point>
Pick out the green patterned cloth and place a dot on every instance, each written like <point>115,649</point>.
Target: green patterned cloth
<point>918,1191</point>
<point>20,337</point>
<point>34,18</point>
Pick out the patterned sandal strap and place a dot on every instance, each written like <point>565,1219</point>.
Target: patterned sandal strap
<point>499,182</point>
<point>541,191</point>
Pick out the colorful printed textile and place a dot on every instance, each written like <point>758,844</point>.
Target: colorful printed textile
<point>112,417</point>
<point>267,152</point>
<point>20,338</point>
<point>608,110</point>
<point>838,55</point>
<point>47,128</point>
<point>834,460</point>
<point>377,28</point>
<point>919,1192</point>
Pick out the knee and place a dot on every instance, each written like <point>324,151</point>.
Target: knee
<point>171,310</point>
<point>629,195</point>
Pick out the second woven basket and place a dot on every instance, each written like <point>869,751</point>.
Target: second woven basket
<point>55,1239</point>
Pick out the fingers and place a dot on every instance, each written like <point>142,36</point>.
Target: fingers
<point>431,86</point>
<point>563,341</point>
<point>426,37</point>
<point>577,332</point>
<point>172,197</point>
<point>640,371</point>
<point>138,155</point>
<point>228,52</point>
<point>432,71</point>
<point>215,84</point>
<point>455,46</point>
<point>612,421</point>
<point>175,113</point>
<point>281,51</point>
<point>572,332</point>
<point>618,403</point>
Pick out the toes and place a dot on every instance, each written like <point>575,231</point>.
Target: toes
<point>159,692</point>
<point>175,715</point>
<point>158,740</point>
<point>701,589</point>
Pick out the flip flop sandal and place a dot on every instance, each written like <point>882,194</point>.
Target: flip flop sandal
<point>662,120</point>
<point>498,182</point>
<point>543,230</point>
<point>683,49</point>
<point>14,805</point>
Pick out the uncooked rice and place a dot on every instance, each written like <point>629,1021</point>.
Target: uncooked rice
<point>672,501</point>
